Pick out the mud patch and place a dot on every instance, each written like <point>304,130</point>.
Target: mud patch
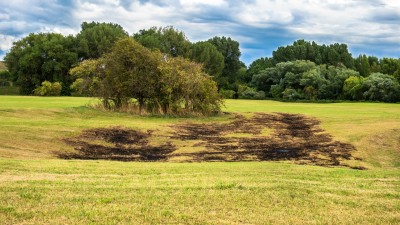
<point>293,137</point>
<point>116,143</point>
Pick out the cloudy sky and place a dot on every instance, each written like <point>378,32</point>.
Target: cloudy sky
<point>367,26</point>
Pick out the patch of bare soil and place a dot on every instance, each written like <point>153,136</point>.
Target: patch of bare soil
<point>295,137</point>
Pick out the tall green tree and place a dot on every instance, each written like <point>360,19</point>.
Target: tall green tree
<point>42,57</point>
<point>128,71</point>
<point>334,54</point>
<point>229,48</point>
<point>390,66</point>
<point>362,65</point>
<point>131,72</point>
<point>96,39</point>
<point>208,55</point>
<point>166,39</point>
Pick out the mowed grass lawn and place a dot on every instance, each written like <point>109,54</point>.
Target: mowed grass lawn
<point>38,188</point>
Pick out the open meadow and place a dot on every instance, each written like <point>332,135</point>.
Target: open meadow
<point>207,179</point>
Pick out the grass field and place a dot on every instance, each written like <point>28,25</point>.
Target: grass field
<point>38,188</point>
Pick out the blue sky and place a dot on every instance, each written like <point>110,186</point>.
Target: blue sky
<point>371,26</point>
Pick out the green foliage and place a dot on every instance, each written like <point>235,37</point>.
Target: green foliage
<point>313,71</point>
<point>5,74</point>
<point>185,88</point>
<point>381,87</point>
<point>88,75</point>
<point>227,94</point>
<point>390,66</point>
<point>362,65</point>
<point>302,80</point>
<point>230,50</point>
<point>256,67</point>
<point>335,54</point>
<point>166,39</point>
<point>277,91</point>
<point>331,87</point>
<point>131,71</point>
<point>48,89</point>
<point>352,88</point>
<point>252,94</point>
<point>265,79</point>
<point>40,57</point>
<point>96,39</point>
<point>291,94</point>
<point>246,92</point>
<point>5,78</point>
<point>209,56</point>
<point>128,71</point>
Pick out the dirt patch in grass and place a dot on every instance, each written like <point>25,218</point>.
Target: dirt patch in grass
<point>294,137</point>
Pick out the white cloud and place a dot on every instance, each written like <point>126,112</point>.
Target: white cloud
<point>60,30</point>
<point>6,42</point>
<point>137,16</point>
<point>263,13</point>
<point>343,20</point>
<point>202,2</point>
<point>251,22</point>
<point>196,5</point>
<point>4,16</point>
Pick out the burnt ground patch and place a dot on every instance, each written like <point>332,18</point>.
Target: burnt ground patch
<point>293,137</point>
<point>116,143</point>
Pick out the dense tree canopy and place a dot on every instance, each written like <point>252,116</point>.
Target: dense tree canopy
<point>334,54</point>
<point>230,50</point>
<point>208,55</point>
<point>166,39</point>
<point>40,57</point>
<point>303,70</point>
<point>95,38</point>
<point>257,66</point>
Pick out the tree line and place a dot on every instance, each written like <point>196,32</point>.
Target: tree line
<point>306,70</point>
<point>303,70</point>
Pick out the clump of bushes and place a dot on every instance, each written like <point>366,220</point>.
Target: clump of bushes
<point>48,89</point>
<point>227,94</point>
<point>246,92</point>
<point>135,78</point>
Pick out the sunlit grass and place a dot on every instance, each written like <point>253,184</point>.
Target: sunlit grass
<point>37,188</point>
<point>85,192</point>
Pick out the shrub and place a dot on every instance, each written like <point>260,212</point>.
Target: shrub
<point>251,93</point>
<point>291,94</point>
<point>227,94</point>
<point>48,89</point>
